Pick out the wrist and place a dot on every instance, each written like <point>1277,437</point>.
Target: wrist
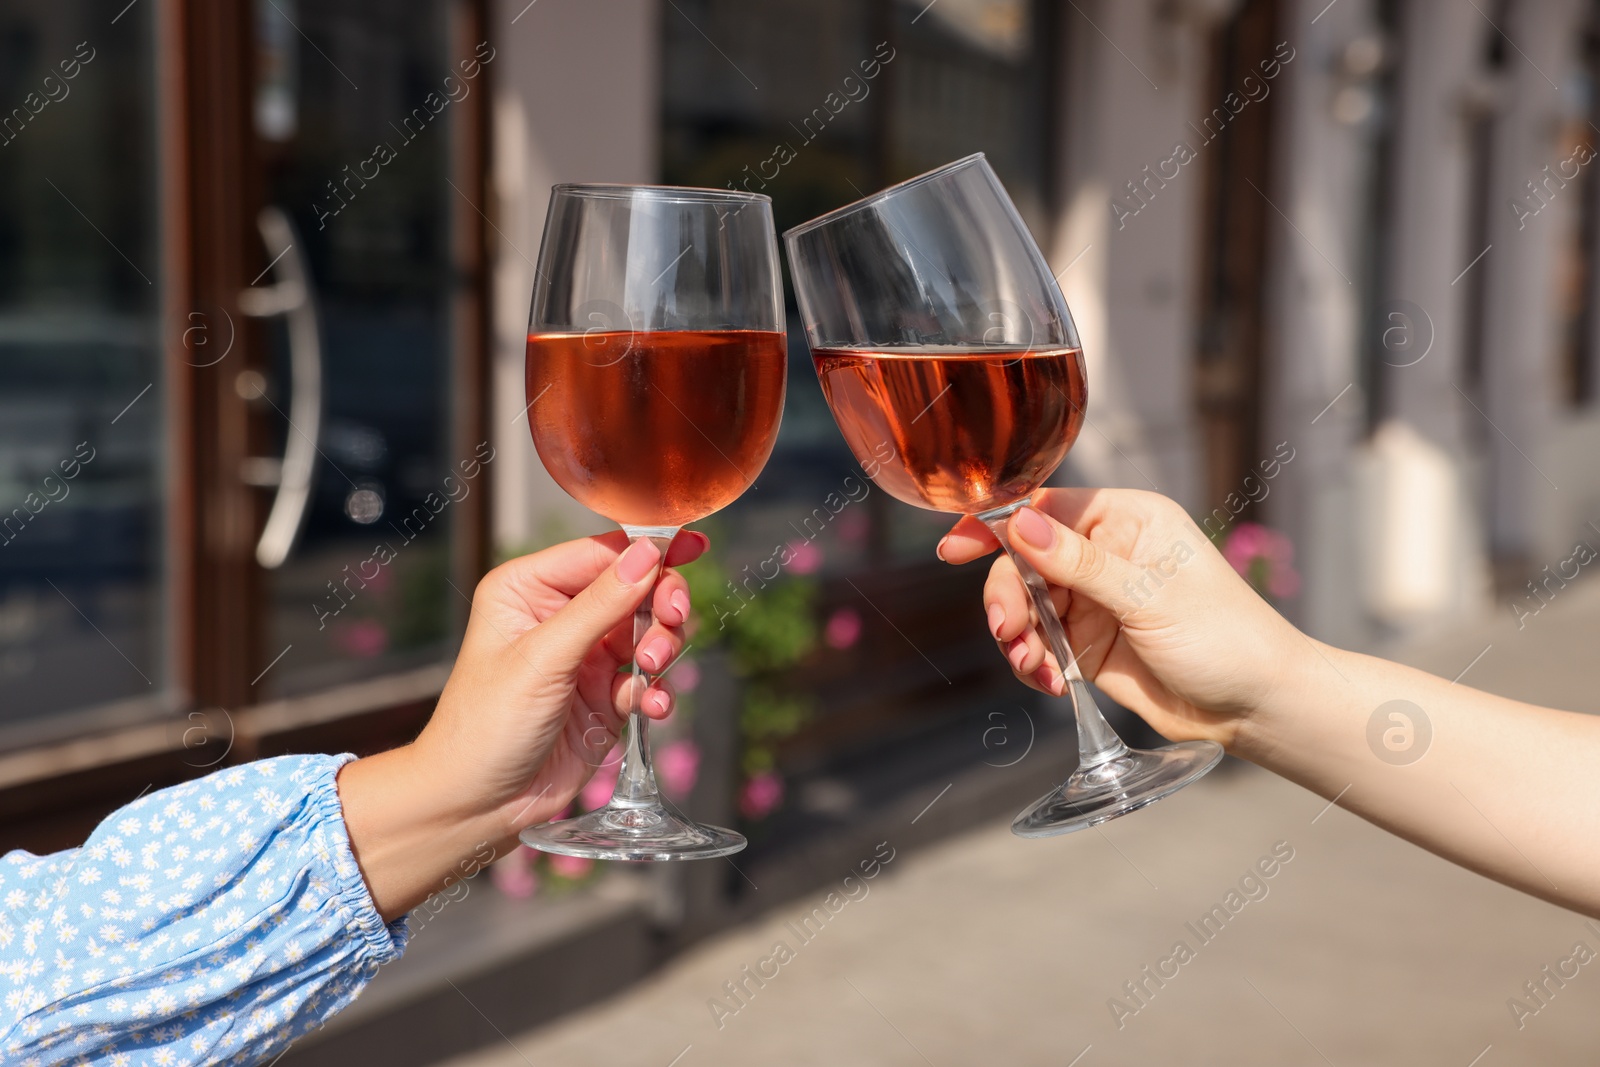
<point>411,833</point>
<point>1302,672</point>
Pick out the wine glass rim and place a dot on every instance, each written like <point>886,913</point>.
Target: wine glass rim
<point>882,194</point>
<point>685,194</point>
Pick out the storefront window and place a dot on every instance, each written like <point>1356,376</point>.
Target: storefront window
<point>82,386</point>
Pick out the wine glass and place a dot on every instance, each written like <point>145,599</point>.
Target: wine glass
<point>656,374</point>
<point>952,367</point>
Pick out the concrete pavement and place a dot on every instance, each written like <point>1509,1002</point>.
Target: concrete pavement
<point>987,949</point>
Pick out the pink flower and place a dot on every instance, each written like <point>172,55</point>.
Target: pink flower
<point>762,793</point>
<point>804,557</point>
<point>843,628</point>
<point>597,790</point>
<point>678,765</point>
<point>571,867</point>
<point>514,876</point>
<point>363,638</point>
<point>685,675</point>
<point>1283,582</point>
<point>379,582</point>
<point>1244,544</point>
<point>1264,557</point>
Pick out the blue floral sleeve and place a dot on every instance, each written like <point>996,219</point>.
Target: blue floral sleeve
<point>210,923</point>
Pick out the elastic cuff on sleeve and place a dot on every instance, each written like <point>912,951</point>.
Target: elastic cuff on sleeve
<point>351,899</point>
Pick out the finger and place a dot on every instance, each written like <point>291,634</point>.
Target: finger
<point>1081,508</point>
<point>967,540</point>
<point>670,610</point>
<point>686,547</point>
<point>1039,680</point>
<point>565,638</point>
<point>659,648</point>
<point>618,645</point>
<point>1026,653</point>
<point>671,601</point>
<point>1005,601</point>
<point>657,701</point>
<point>1034,662</point>
<point>571,566</point>
<point>1069,559</point>
<point>1047,680</point>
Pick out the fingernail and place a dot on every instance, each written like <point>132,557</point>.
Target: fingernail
<point>637,562</point>
<point>997,619</point>
<point>938,550</point>
<point>654,656</point>
<point>1034,528</point>
<point>705,542</point>
<point>657,700</point>
<point>1018,655</point>
<point>1057,683</point>
<point>680,601</point>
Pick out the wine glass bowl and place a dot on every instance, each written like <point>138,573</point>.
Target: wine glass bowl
<point>973,429</point>
<point>656,428</point>
<point>656,370</point>
<point>953,369</point>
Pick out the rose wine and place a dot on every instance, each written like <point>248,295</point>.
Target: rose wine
<point>956,429</point>
<point>655,428</point>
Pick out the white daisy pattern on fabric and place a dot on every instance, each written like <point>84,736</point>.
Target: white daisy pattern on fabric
<point>214,922</point>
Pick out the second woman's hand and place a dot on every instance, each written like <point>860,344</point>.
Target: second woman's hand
<point>1164,625</point>
<point>1150,589</point>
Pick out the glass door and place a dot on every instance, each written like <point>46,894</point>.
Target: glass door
<point>368,478</point>
<point>84,485</point>
<point>242,384</point>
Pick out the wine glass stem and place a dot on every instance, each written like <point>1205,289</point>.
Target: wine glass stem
<point>1097,742</point>
<point>636,778</point>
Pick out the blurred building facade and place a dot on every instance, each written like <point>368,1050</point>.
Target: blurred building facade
<point>1359,234</point>
<point>266,273</point>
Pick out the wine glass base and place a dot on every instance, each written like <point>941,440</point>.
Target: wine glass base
<point>1099,794</point>
<point>632,834</point>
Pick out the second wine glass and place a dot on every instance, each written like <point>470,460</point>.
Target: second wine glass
<point>942,341</point>
<point>656,375</point>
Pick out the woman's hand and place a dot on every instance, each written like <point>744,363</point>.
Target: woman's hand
<point>533,705</point>
<point>1165,626</point>
<point>1144,596</point>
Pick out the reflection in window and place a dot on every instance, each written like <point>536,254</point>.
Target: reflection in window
<point>362,172</point>
<point>81,486</point>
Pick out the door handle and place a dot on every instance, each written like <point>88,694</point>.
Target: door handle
<point>290,295</point>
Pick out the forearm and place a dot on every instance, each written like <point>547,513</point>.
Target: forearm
<point>1503,788</point>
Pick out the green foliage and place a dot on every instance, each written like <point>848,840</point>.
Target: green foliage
<point>767,627</point>
<point>423,616</point>
<point>768,716</point>
<point>776,629</point>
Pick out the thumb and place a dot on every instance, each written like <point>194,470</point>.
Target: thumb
<point>566,637</point>
<point>1066,558</point>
